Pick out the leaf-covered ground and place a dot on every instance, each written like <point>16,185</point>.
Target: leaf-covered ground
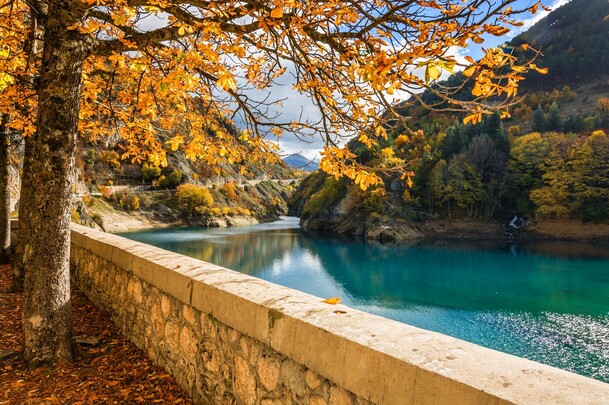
<point>111,370</point>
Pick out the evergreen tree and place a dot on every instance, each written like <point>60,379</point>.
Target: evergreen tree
<point>454,141</point>
<point>539,120</point>
<point>574,124</point>
<point>553,122</point>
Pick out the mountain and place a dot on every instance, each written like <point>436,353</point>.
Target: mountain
<point>574,40</point>
<point>297,161</point>
<point>548,162</point>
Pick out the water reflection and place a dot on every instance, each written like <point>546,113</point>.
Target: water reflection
<point>487,275</point>
<point>546,301</point>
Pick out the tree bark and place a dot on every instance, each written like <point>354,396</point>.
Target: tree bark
<point>5,194</point>
<point>35,24</point>
<point>44,225</point>
<point>18,278</point>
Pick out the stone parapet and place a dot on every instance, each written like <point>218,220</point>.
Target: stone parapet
<point>230,338</point>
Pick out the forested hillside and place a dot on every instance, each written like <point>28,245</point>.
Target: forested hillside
<point>574,39</point>
<point>548,160</point>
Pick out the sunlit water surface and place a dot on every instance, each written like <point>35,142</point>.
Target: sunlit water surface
<point>546,301</point>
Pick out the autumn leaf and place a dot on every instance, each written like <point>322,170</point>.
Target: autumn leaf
<point>543,71</point>
<point>332,301</point>
<point>473,118</point>
<point>496,30</point>
<point>469,71</point>
<point>227,82</point>
<point>431,73</point>
<point>277,12</point>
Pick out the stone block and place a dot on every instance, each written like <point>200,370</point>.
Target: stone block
<point>312,379</point>
<point>188,343</point>
<point>339,396</point>
<point>268,372</point>
<point>245,382</point>
<point>317,400</point>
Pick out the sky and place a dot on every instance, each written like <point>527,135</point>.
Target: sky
<point>296,103</point>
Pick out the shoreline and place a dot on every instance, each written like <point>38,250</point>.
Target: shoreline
<point>434,230</point>
<point>400,232</point>
<point>119,222</point>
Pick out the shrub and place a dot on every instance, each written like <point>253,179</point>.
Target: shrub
<point>325,199</point>
<point>175,178</point>
<point>87,200</point>
<point>106,192</point>
<point>90,157</point>
<point>377,201</point>
<point>98,219</point>
<point>192,198</point>
<point>240,211</point>
<point>110,158</point>
<point>162,182</point>
<point>131,202</point>
<point>150,172</point>
<point>74,215</point>
<point>228,191</point>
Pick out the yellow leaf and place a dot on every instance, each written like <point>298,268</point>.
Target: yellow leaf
<point>473,118</point>
<point>332,301</point>
<point>182,30</point>
<point>543,71</point>
<point>431,73</point>
<point>469,71</point>
<point>525,47</point>
<point>448,66</point>
<point>497,30</point>
<point>277,12</point>
<point>227,82</point>
<point>409,182</point>
<point>477,90</point>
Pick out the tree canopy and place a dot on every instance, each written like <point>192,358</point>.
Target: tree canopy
<point>157,73</point>
<point>173,71</point>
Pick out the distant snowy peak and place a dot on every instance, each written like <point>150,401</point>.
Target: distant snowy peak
<point>298,161</point>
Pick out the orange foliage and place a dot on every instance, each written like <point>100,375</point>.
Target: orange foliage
<point>178,85</point>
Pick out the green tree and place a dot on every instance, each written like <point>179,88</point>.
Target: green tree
<point>526,158</point>
<point>438,184</point>
<point>555,198</point>
<point>464,184</point>
<point>553,122</point>
<point>590,165</point>
<point>490,163</point>
<point>454,142</point>
<point>493,128</point>
<point>574,124</point>
<point>539,120</point>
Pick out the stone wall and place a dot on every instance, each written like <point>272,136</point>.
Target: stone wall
<point>230,338</point>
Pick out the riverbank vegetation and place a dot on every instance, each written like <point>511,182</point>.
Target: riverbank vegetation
<point>547,157</point>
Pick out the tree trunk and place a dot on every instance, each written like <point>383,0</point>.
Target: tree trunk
<point>18,278</point>
<point>32,49</point>
<point>44,225</point>
<point>5,195</point>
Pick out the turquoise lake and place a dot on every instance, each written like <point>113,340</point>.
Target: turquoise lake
<point>545,301</point>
